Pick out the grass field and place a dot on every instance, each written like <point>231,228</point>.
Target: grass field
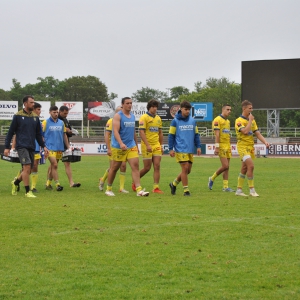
<point>81,244</point>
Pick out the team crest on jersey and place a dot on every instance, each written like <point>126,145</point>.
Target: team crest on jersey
<point>239,124</point>
<point>216,124</point>
<point>141,123</point>
<point>107,125</point>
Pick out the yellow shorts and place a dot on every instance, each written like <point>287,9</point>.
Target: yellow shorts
<point>243,151</point>
<point>37,156</point>
<point>225,152</point>
<point>184,157</point>
<point>156,151</point>
<point>55,154</point>
<point>124,155</point>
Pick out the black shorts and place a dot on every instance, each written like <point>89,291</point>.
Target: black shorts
<point>26,156</point>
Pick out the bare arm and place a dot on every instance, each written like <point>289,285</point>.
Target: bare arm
<point>144,139</point>
<point>261,138</point>
<point>217,142</point>
<point>247,129</point>
<point>107,137</point>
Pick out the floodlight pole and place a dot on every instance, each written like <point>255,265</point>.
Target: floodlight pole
<point>273,123</point>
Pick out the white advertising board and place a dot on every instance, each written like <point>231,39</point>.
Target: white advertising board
<point>75,109</point>
<point>7,109</point>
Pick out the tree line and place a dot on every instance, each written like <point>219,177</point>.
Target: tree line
<point>219,91</point>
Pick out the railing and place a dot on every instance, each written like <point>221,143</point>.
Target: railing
<point>204,131</point>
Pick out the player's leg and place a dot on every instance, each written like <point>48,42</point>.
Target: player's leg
<point>156,174</point>
<point>122,177</point>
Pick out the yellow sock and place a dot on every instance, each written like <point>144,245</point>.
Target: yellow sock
<point>34,178</point>
<point>241,180</point>
<point>186,189</point>
<point>214,176</point>
<point>122,180</point>
<point>155,186</point>
<point>250,182</point>
<point>138,189</point>
<point>175,182</point>
<point>109,187</point>
<point>49,182</point>
<point>57,183</point>
<point>225,184</point>
<point>104,177</point>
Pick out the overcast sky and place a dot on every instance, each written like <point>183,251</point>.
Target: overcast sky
<point>130,44</point>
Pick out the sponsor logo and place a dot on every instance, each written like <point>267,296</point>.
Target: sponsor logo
<point>8,106</point>
<point>186,127</point>
<point>129,124</point>
<point>55,128</point>
<point>70,105</point>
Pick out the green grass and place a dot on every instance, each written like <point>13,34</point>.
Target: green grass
<point>81,244</point>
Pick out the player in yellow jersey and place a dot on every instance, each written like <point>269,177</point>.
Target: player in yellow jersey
<point>108,132</point>
<point>150,129</point>
<point>246,127</point>
<point>221,128</point>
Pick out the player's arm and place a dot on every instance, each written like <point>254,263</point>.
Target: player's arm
<point>14,142</point>
<point>245,130</point>
<point>161,139</point>
<point>171,137</point>
<point>144,139</point>
<point>217,141</point>
<point>107,137</point>
<point>261,138</point>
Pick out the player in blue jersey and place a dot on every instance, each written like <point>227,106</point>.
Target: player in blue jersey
<point>55,138</point>
<point>183,137</point>
<point>26,125</point>
<point>124,147</point>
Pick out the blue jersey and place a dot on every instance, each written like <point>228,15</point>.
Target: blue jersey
<point>37,146</point>
<point>183,134</point>
<point>54,134</point>
<point>127,128</point>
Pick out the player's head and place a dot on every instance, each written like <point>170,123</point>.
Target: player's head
<point>247,107</point>
<point>185,104</point>
<point>152,103</point>
<point>185,108</point>
<point>53,110</point>
<point>28,102</point>
<point>63,111</point>
<point>226,110</point>
<point>27,97</point>
<point>37,108</point>
<point>124,99</point>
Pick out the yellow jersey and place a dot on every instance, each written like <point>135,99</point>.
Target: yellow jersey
<point>223,125</point>
<point>108,127</point>
<point>151,125</point>
<point>244,139</point>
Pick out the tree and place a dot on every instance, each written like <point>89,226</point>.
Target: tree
<point>4,95</point>
<point>177,91</point>
<point>198,86</point>
<point>146,94</point>
<point>85,89</point>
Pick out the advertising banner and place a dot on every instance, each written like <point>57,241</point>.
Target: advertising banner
<point>75,110</point>
<point>45,110</point>
<point>202,111</point>
<point>167,111</point>
<point>210,149</point>
<point>99,110</point>
<point>284,149</point>
<point>7,109</point>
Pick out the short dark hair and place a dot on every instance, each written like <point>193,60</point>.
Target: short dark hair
<point>25,99</point>
<point>52,108</point>
<point>152,103</point>
<point>125,98</point>
<point>63,108</point>
<point>185,104</point>
<point>36,105</point>
<point>226,105</point>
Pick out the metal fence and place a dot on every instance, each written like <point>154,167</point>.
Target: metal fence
<point>204,131</point>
